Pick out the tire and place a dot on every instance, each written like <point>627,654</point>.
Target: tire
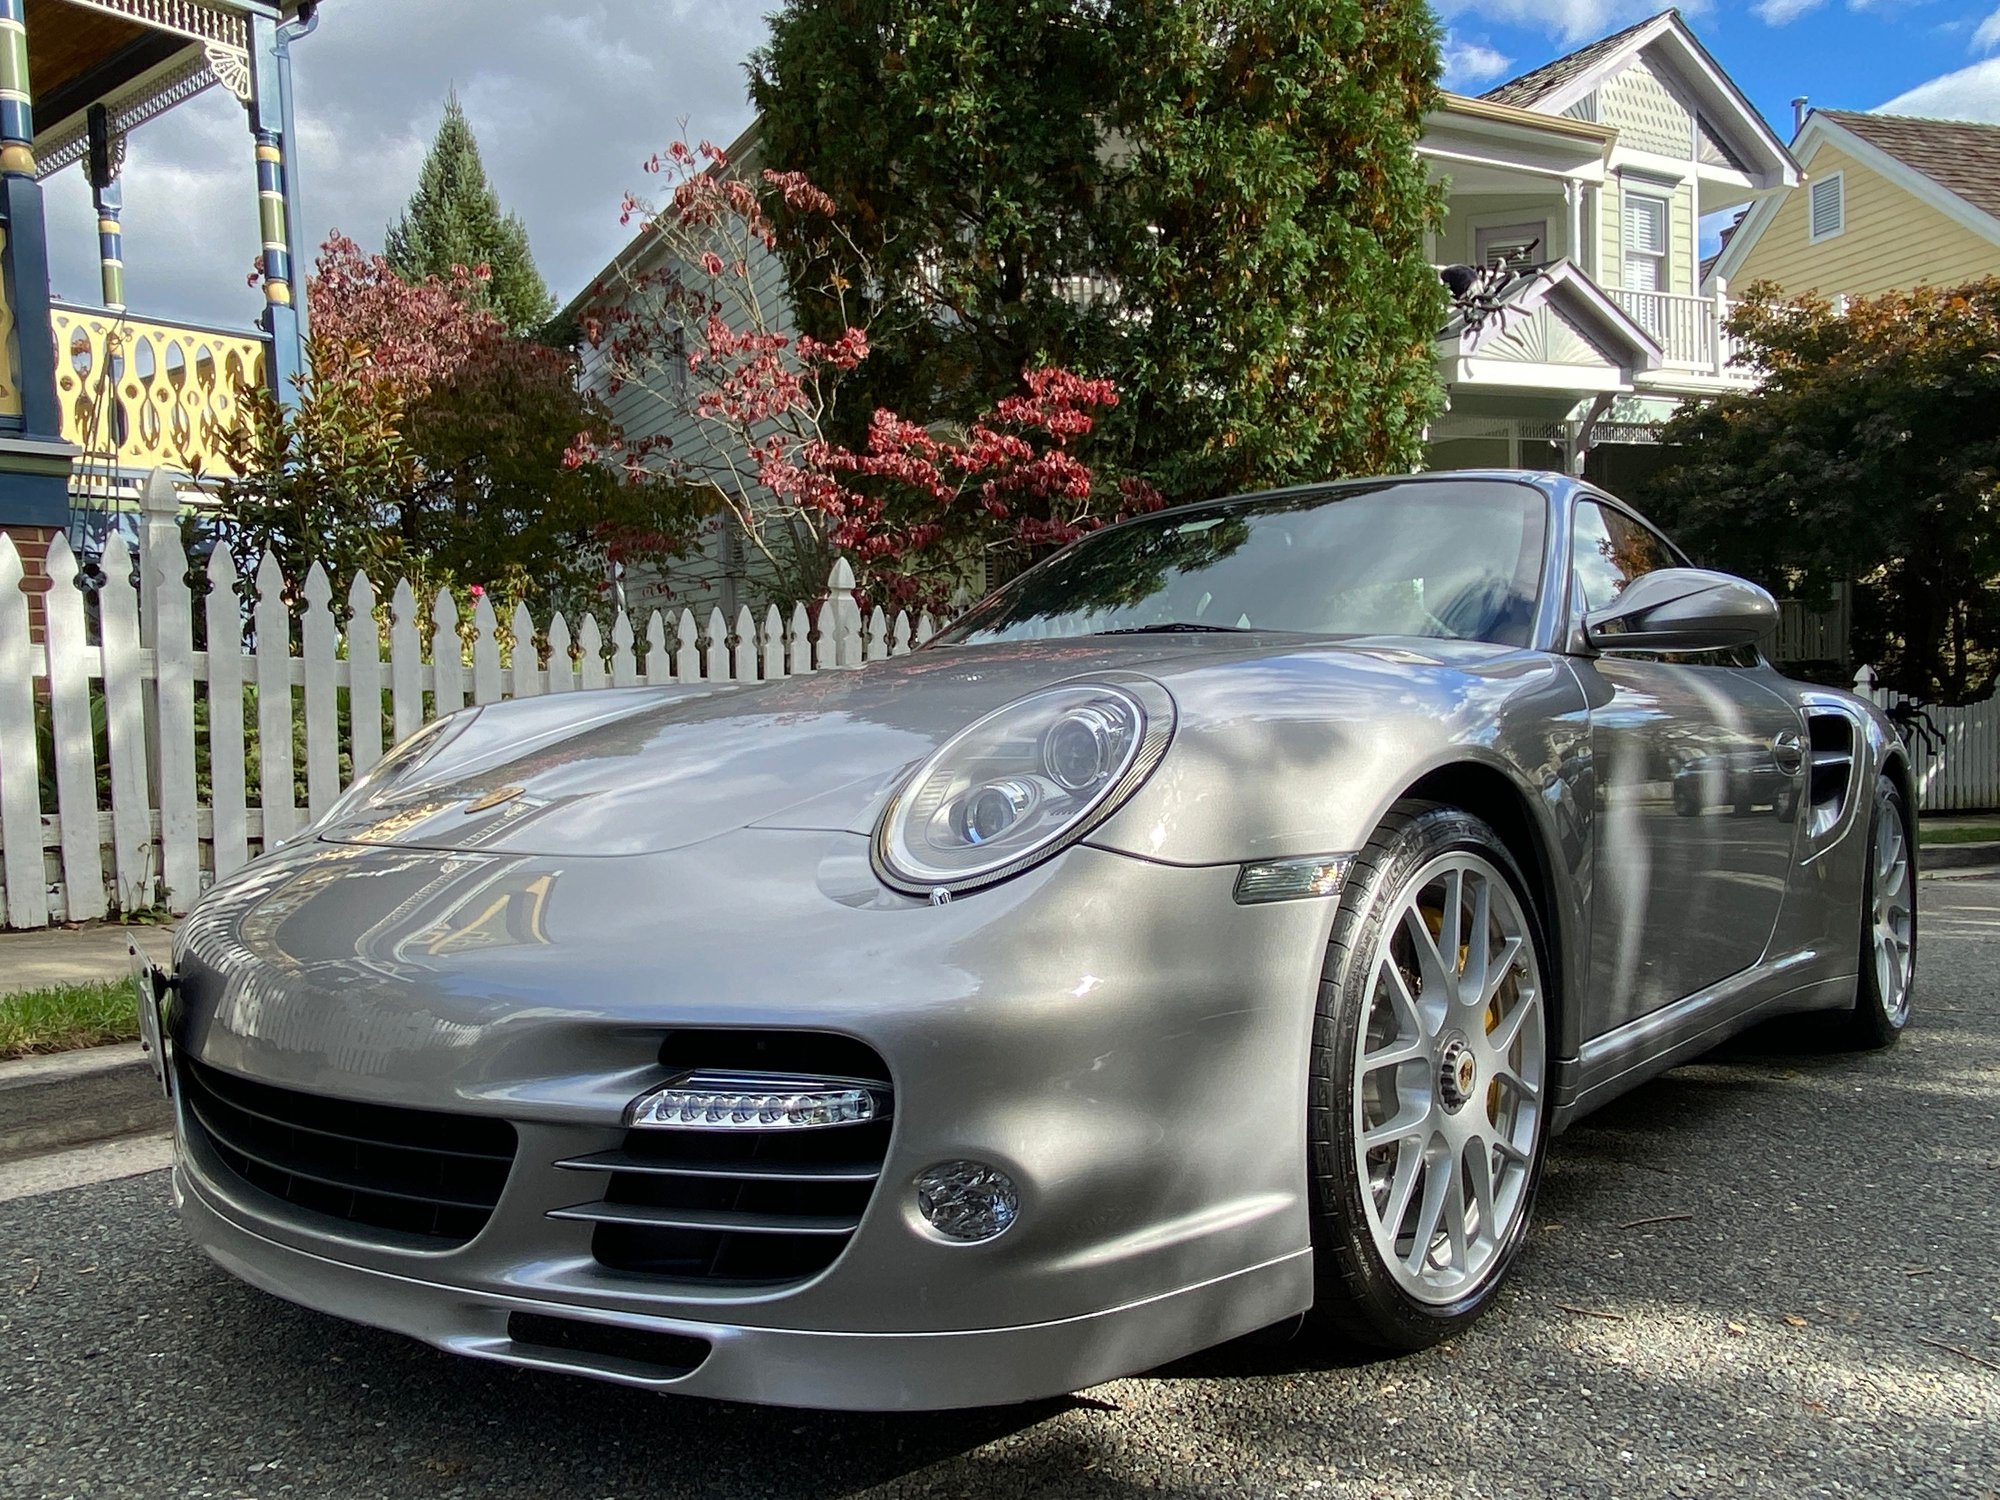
<point>1388,1138</point>
<point>1882,991</point>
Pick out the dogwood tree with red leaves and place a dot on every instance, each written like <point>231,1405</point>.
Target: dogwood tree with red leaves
<point>698,318</point>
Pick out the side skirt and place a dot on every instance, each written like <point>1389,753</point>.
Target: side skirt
<point>1620,1060</point>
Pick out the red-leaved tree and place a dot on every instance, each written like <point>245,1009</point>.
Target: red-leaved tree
<point>698,318</point>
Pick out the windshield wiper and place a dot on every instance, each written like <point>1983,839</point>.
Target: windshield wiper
<point>1176,627</point>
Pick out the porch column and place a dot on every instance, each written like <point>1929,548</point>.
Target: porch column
<point>1573,200</point>
<point>267,116</point>
<point>27,256</point>
<point>109,198</point>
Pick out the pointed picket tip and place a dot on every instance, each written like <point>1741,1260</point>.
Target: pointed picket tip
<point>60,562</point>
<point>746,624</point>
<point>522,623</point>
<point>319,592</point>
<point>621,631</point>
<point>588,636</point>
<point>801,621</point>
<point>842,576</point>
<point>117,559</point>
<point>444,612</point>
<point>159,496</point>
<point>558,630</point>
<point>361,595</point>
<point>270,577</point>
<point>717,626</point>
<point>687,625</point>
<point>221,569</point>
<point>403,603</point>
<point>483,618</point>
<point>656,631</point>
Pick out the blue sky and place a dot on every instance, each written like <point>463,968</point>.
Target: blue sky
<point>1938,57</point>
<point>569,99</point>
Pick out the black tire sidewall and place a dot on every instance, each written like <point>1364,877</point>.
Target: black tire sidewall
<point>1357,1294</point>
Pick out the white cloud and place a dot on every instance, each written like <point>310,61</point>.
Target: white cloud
<point>566,106</point>
<point>1783,12</point>
<point>1469,64</point>
<point>1969,94</point>
<point>1569,21</point>
<point>1987,37</point>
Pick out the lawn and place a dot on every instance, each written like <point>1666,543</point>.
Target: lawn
<point>67,1016</point>
<point>1963,833</point>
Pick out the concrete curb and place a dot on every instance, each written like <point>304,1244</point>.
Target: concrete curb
<point>74,1098</point>
<point>1957,856</point>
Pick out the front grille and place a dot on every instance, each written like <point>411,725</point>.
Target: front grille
<point>756,1207</point>
<point>414,1172</point>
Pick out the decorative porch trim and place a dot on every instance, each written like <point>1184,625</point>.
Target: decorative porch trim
<point>187,75</point>
<point>194,19</point>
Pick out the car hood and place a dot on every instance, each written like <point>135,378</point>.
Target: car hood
<point>637,771</point>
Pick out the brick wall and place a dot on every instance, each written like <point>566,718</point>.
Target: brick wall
<point>32,542</point>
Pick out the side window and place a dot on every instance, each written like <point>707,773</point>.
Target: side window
<point>1608,550</point>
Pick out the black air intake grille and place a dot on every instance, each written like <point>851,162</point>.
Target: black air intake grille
<point>411,1171</point>
<point>749,1207</point>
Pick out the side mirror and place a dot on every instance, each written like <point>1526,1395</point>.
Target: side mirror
<point>1682,609</point>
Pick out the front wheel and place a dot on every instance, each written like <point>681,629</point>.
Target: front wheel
<point>1428,1107</point>
<point>1888,926</point>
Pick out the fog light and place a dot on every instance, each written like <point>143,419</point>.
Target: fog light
<point>1292,879</point>
<point>967,1200</point>
<point>724,1101</point>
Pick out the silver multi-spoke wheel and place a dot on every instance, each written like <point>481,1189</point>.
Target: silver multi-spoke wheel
<point>1892,909</point>
<point>1449,1076</point>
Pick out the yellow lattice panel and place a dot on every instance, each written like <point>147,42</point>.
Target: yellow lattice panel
<point>147,395</point>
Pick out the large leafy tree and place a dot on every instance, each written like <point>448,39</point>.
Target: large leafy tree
<point>453,220</point>
<point>429,443</point>
<point>1214,203</point>
<point>1870,453</point>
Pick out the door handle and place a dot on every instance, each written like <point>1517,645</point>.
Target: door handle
<point>1788,750</point>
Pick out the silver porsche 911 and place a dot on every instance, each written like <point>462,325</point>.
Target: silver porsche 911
<point>1213,926</point>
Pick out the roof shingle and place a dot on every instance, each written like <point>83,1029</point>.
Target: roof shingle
<point>1532,87</point>
<point>1960,156</point>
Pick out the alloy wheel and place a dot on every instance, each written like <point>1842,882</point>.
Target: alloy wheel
<point>1449,1075</point>
<point>1891,910</point>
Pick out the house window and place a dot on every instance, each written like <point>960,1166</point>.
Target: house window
<point>1645,243</point>
<point>1515,245</point>
<point>1826,200</point>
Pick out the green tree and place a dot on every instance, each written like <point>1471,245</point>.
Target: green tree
<point>1870,454</point>
<point>1214,203</point>
<point>454,219</point>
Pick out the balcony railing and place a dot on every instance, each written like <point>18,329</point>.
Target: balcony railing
<point>1689,330</point>
<point>142,393</point>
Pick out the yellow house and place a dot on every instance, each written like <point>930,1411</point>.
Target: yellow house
<point>1889,202</point>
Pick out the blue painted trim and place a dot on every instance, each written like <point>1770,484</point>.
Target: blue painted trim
<point>34,499</point>
<point>27,283</point>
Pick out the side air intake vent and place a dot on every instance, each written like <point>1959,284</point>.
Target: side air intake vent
<point>734,1195</point>
<point>1832,738</point>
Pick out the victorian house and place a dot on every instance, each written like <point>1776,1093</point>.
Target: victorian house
<point>94,397</point>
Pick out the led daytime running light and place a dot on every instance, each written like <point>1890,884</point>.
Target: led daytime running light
<point>724,1102</point>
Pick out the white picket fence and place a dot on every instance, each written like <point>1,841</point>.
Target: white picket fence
<point>1963,773</point>
<point>130,829</point>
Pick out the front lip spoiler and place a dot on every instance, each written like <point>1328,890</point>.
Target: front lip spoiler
<point>851,1370</point>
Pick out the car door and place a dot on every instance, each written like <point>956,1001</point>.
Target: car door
<point>1696,771</point>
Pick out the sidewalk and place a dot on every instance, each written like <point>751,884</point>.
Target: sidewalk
<point>91,953</point>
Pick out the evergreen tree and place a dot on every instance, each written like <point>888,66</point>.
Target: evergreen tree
<point>1214,203</point>
<point>454,219</point>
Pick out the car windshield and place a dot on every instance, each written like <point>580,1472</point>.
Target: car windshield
<point>1450,559</point>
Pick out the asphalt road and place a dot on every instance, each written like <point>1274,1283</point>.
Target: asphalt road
<point>1772,1272</point>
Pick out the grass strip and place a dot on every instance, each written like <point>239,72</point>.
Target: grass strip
<point>1970,833</point>
<point>67,1016</point>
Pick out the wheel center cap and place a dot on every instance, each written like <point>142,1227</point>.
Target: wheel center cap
<point>1458,1071</point>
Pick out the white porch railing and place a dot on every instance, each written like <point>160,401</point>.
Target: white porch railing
<point>1689,330</point>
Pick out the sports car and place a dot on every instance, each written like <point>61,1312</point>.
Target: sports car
<point>1208,932</point>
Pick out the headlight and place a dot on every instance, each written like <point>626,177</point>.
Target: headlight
<point>382,777</point>
<point>1025,781</point>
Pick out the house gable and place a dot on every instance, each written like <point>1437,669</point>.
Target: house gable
<point>1897,227</point>
<point>1661,88</point>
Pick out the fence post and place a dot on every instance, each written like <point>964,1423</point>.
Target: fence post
<point>844,649</point>
<point>1721,316</point>
<point>159,540</point>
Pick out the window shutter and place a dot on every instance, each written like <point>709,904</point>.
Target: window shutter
<point>1828,207</point>
<point>1645,226</point>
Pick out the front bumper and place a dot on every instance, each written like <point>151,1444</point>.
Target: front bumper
<point>1119,1036</point>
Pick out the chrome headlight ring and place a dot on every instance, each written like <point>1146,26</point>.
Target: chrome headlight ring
<point>1022,783</point>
